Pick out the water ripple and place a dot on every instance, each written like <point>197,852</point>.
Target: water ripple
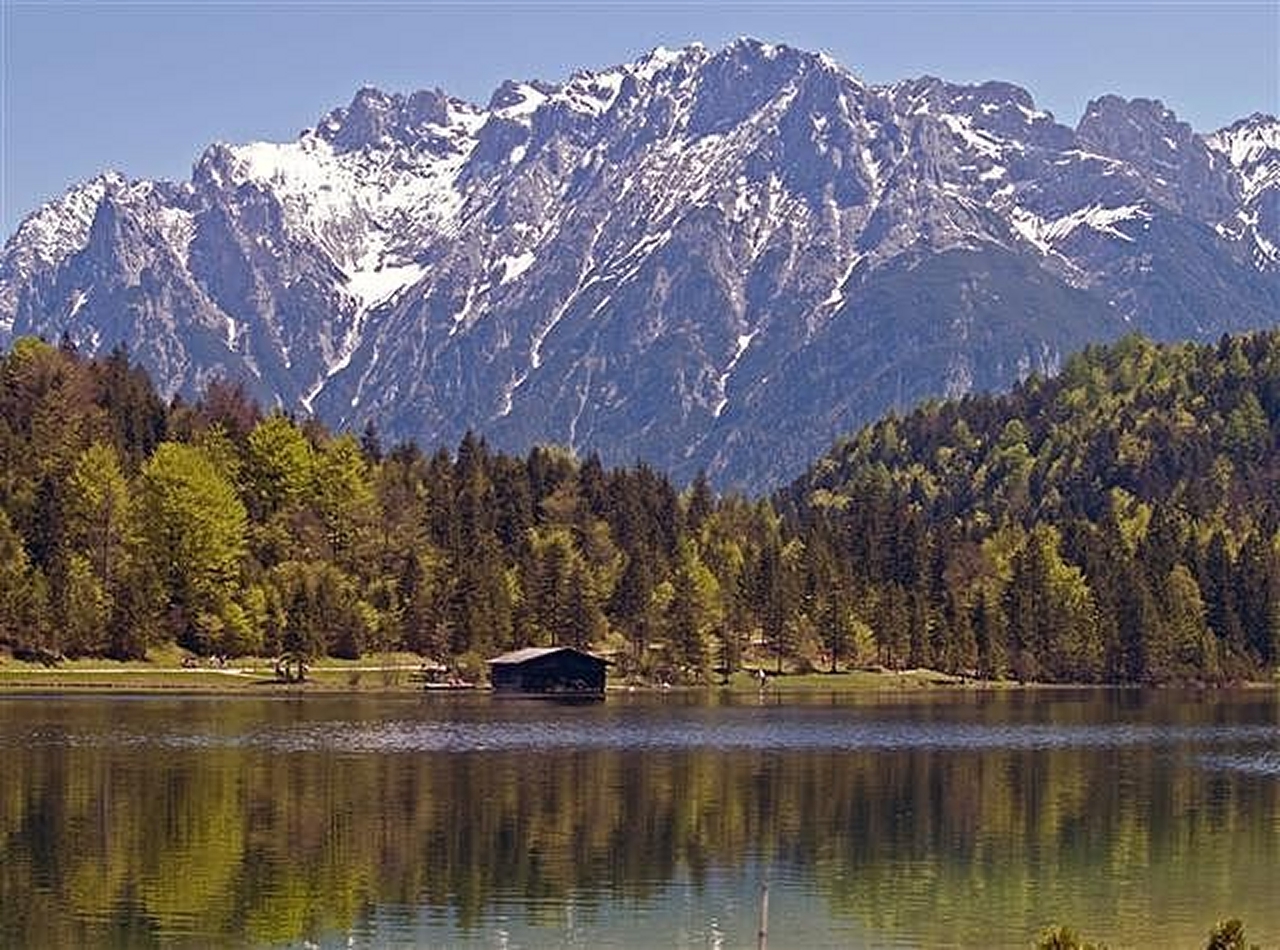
<point>1262,763</point>
<point>559,735</point>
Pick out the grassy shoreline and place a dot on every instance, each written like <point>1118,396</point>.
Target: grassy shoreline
<point>169,671</point>
<point>378,680</point>
<point>256,676</point>
<point>401,673</point>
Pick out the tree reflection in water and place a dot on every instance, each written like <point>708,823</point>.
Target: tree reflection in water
<point>246,822</point>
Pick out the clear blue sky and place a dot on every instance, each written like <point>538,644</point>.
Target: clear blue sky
<point>143,87</point>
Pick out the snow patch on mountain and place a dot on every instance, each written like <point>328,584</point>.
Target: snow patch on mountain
<point>1252,146</point>
<point>722,382</point>
<point>523,100</point>
<point>836,298</point>
<point>60,228</point>
<point>592,94</point>
<point>178,227</point>
<point>381,282</point>
<point>660,59</point>
<point>1044,234</point>
<point>78,299</point>
<point>980,141</point>
<point>354,203</point>
<point>513,266</point>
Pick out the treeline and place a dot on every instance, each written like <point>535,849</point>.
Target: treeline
<point>1118,522</point>
<point>127,523</point>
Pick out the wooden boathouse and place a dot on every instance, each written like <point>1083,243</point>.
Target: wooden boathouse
<point>548,671</point>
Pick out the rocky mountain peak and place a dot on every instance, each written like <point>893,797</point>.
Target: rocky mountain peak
<point>662,61</point>
<point>365,122</point>
<point>710,259</point>
<point>736,82</point>
<point>1138,129</point>
<point>214,168</point>
<point>375,119</point>
<point>1259,121</point>
<point>1176,164</point>
<point>1252,145</point>
<point>1250,150</point>
<point>519,98</point>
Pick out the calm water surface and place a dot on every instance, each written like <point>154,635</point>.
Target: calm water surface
<point>886,821</point>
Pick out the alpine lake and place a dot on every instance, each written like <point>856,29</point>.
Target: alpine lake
<point>914,818</point>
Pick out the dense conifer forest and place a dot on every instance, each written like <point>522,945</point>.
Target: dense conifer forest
<point>1119,522</point>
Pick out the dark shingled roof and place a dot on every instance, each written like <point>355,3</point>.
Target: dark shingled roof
<point>533,653</point>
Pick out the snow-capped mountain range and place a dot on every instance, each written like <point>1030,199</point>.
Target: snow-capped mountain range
<point>707,259</point>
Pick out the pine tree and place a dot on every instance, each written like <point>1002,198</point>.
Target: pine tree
<point>1192,645</point>
<point>694,612</point>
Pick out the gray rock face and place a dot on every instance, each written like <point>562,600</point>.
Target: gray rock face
<point>706,259</point>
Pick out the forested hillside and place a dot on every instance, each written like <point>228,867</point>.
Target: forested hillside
<point>1118,522</point>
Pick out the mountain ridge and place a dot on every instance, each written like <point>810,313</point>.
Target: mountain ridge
<point>644,260</point>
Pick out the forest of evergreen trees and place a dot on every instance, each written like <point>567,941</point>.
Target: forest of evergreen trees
<point>1119,522</point>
